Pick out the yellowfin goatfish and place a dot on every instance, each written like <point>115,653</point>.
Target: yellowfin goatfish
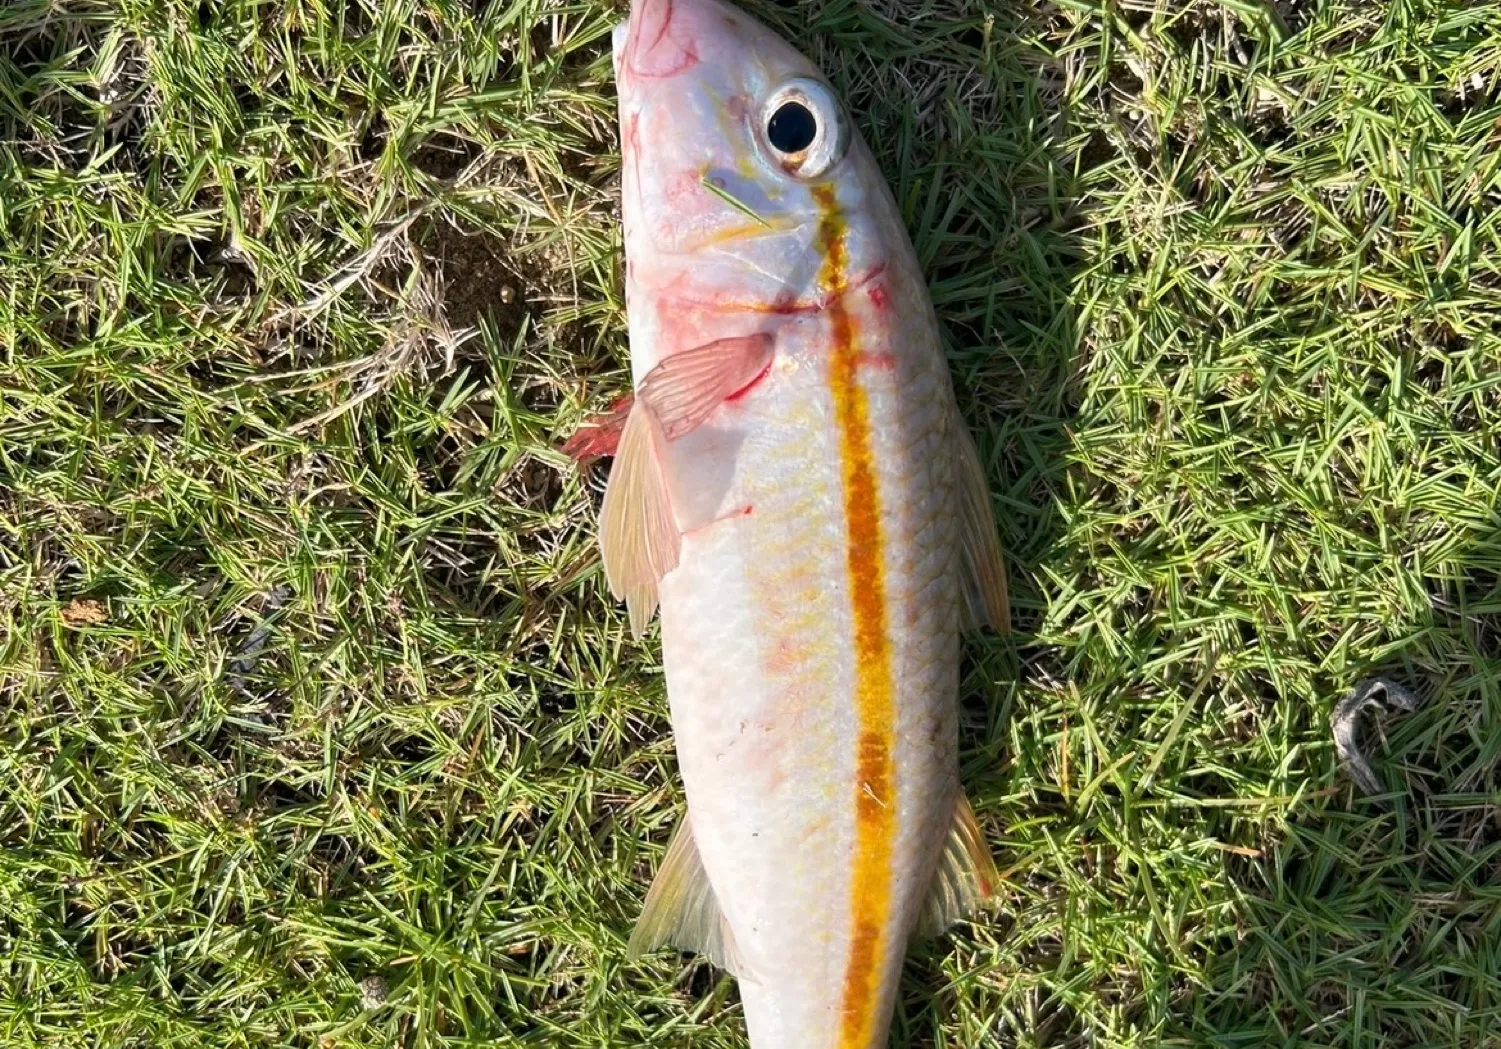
<point>794,485</point>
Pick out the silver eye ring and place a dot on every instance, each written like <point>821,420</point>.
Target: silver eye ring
<point>804,129</point>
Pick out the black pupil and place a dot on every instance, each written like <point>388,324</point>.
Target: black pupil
<point>792,128</point>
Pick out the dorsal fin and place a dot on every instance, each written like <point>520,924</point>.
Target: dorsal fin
<point>681,909</point>
<point>986,601</point>
<point>966,878</point>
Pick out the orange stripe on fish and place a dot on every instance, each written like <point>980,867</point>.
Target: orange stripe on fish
<point>875,691</point>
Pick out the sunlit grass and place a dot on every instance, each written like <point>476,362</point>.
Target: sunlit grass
<point>320,728</point>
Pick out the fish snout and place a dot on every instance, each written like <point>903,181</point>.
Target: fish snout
<point>660,41</point>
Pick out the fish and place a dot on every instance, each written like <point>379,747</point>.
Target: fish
<point>793,487</point>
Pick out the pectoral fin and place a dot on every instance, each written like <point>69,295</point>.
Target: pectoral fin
<point>638,537</point>
<point>687,386</point>
<point>638,534</point>
<point>986,602</point>
<point>966,876</point>
<point>681,909</point>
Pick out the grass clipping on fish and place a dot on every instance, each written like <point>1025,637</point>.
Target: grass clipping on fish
<point>716,187</point>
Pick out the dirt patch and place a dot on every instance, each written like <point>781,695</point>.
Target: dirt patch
<point>445,156</point>
<point>478,277</point>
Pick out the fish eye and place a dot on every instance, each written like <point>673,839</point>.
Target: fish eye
<point>791,128</point>
<point>804,128</point>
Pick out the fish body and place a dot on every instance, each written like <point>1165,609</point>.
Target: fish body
<point>795,488</point>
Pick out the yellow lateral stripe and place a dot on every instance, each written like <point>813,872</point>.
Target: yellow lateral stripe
<point>875,691</point>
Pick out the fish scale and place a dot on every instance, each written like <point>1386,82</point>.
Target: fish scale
<point>794,487</point>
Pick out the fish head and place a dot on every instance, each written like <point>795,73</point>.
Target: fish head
<point>734,147</point>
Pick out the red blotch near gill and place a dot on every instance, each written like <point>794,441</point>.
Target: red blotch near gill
<point>682,185</point>
<point>878,297</point>
<point>688,313</point>
<point>786,303</point>
<point>683,296</point>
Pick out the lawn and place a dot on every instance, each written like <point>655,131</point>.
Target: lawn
<point>317,724</point>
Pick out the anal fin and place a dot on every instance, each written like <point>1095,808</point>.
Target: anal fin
<point>681,909</point>
<point>966,878</point>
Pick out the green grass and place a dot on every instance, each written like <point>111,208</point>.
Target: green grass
<point>308,676</point>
